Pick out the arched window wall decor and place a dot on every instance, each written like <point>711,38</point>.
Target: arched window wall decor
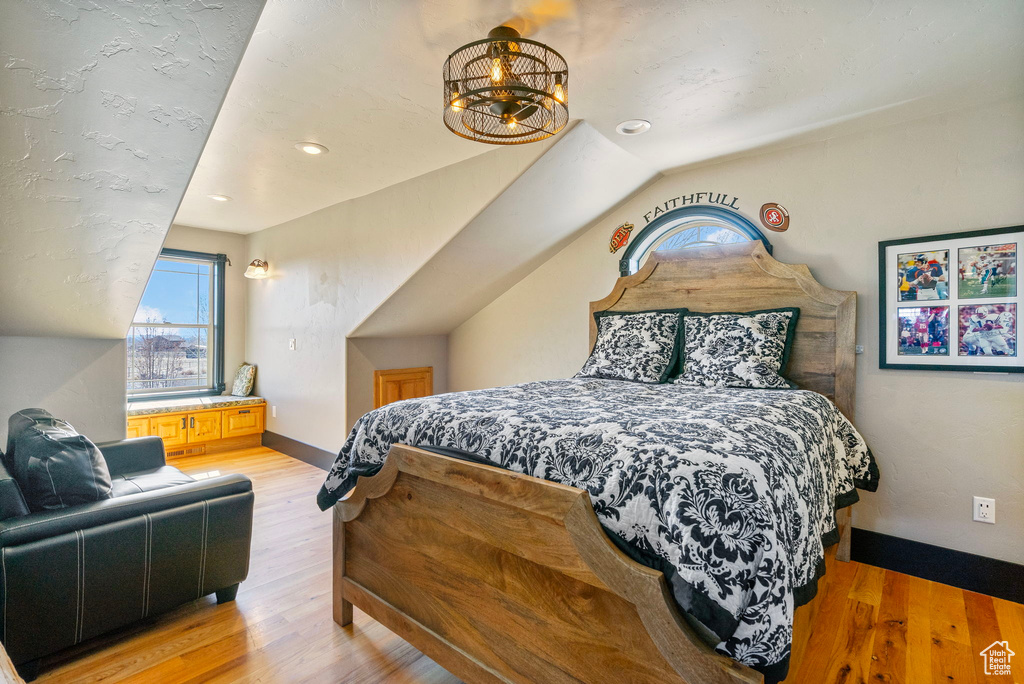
<point>689,227</point>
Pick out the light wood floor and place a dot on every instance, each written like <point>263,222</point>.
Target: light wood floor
<point>885,627</point>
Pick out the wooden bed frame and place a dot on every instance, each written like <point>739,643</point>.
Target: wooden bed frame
<point>502,577</point>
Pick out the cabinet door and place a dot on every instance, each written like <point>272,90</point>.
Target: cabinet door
<point>172,428</point>
<point>137,427</point>
<point>244,420</point>
<point>203,427</point>
<point>402,383</point>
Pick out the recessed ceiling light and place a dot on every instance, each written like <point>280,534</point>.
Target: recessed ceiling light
<point>311,148</point>
<point>633,127</point>
<point>220,198</point>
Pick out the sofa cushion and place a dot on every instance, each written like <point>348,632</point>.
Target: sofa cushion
<point>149,480</point>
<point>54,465</point>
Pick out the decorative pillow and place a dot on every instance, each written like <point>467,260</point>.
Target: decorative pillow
<point>738,349</point>
<point>639,346</point>
<point>245,376</point>
<point>54,465</point>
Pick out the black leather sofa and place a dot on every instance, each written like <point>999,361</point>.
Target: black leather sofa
<point>162,540</point>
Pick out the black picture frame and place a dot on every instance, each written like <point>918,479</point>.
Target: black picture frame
<point>886,304</point>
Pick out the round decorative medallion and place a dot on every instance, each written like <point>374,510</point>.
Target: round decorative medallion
<point>775,217</point>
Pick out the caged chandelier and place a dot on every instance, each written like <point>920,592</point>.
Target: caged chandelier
<point>505,90</point>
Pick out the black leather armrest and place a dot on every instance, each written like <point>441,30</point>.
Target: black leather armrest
<point>12,503</point>
<point>47,524</point>
<point>133,455</point>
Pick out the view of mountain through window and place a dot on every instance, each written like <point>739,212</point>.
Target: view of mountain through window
<point>170,340</point>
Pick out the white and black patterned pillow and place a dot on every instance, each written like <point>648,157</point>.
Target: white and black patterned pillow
<point>737,349</point>
<point>638,346</point>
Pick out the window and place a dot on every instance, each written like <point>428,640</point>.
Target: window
<point>689,227</point>
<point>176,341</point>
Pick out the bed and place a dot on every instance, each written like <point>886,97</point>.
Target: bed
<point>505,577</point>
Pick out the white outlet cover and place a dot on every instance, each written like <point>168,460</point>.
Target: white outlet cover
<point>291,344</point>
<point>984,510</point>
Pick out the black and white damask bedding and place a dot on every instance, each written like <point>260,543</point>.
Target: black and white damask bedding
<point>731,492</point>
<point>738,350</point>
<point>641,346</point>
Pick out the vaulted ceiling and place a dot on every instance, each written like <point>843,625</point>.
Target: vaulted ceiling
<point>715,77</point>
<point>104,110</point>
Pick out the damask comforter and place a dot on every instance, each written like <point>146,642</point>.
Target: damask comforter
<point>731,492</point>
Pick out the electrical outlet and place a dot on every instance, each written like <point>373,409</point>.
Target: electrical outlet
<point>273,412</point>
<point>984,510</point>
<point>291,344</point>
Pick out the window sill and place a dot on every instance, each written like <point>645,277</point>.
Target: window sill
<point>158,396</point>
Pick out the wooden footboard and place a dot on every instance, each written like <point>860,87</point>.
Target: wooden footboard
<point>502,577</point>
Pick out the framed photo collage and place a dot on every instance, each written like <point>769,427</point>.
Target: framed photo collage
<point>950,302</point>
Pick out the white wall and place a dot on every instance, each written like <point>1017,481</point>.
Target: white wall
<point>81,381</point>
<point>939,437</point>
<point>106,108</point>
<point>367,354</point>
<point>235,285</point>
<point>331,268</point>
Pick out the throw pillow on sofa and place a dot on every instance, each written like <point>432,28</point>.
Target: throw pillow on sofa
<point>54,465</point>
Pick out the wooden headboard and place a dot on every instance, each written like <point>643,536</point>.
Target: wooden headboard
<point>744,277</point>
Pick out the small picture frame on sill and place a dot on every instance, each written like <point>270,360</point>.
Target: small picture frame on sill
<point>951,301</point>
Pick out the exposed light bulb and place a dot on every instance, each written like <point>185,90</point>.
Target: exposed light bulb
<point>457,103</point>
<point>511,124</point>
<point>559,93</point>
<point>496,70</point>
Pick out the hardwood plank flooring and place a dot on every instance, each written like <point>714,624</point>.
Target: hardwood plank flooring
<point>875,625</point>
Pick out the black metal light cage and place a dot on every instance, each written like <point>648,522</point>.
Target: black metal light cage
<point>505,90</point>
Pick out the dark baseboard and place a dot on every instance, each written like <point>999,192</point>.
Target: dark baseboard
<point>300,450</point>
<point>955,568</point>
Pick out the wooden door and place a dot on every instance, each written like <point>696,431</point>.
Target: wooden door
<point>137,427</point>
<point>244,420</point>
<point>203,427</point>
<point>402,383</point>
<point>172,428</point>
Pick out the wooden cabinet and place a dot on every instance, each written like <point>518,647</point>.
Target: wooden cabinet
<point>171,427</point>
<point>137,427</point>
<point>203,426</point>
<point>243,420</point>
<point>204,430</point>
<point>402,383</point>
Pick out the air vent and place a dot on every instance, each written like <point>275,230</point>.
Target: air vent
<point>197,450</point>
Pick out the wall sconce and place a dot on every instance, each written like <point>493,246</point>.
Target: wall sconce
<point>257,269</point>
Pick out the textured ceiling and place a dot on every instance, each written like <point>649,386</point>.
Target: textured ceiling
<point>715,77</point>
<point>104,110</point>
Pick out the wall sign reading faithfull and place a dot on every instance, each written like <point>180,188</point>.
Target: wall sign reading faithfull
<point>694,198</point>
